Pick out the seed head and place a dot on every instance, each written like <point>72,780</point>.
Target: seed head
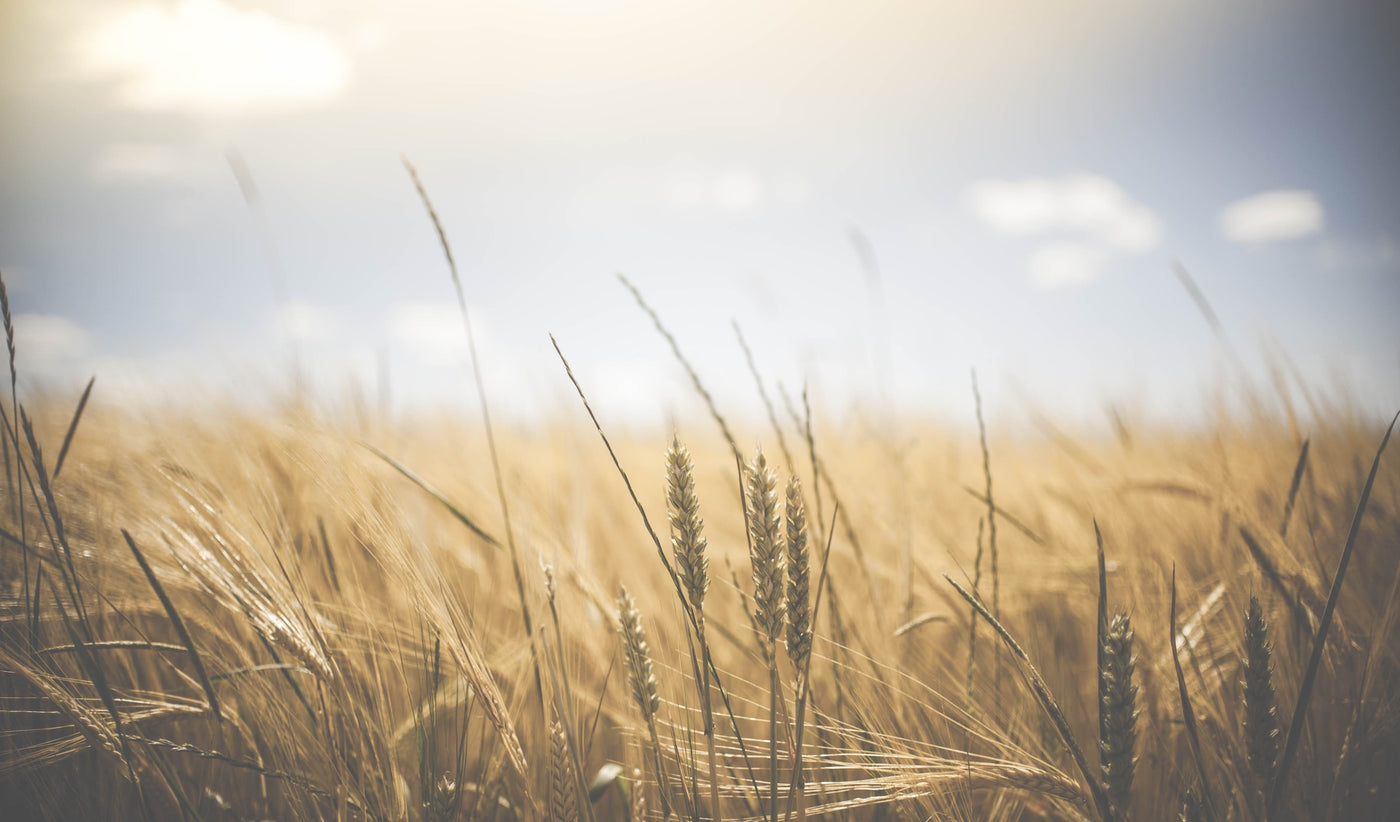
<point>634,646</point>
<point>1119,731</point>
<point>563,797</point>
<point>687,528</point>
<point>765,532</point>
<point>799,609</point>
<point>1260,716</point>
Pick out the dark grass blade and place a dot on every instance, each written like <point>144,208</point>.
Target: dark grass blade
<point>179,624</point>
<point>58,536</point>
<point>1293,488</point>
<point>1100,631</point>
<point>1002,513</point>
<point>767,401</point>
<point>1188,715</point>
<point>1300,711</point>
<point>1047,701</point>
<point>435,494</point>
<point>486,424</point>
<point>689,370</point>
<point>73,426</point>
<point>1271,573</point>
<point>991,527</point>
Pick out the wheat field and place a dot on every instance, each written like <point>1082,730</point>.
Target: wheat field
<point>305,614</point>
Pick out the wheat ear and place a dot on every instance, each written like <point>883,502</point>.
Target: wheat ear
<point>1119,730</point>
<point>1261,731</point>
<point>1192,809</point>
<point>766,554</point>
<point>687,528</point>
<point>563,795</point>
<point>693,567</point>
<point>799,607</point>
<point>766,551</point>
<point>642,679</point>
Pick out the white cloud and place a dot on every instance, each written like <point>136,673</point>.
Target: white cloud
<point>1284,214</point>
<point>138,161</point>
<point>1064,264</point>
<point>1106,220</point>
<point>736,190</point>
<point>307,322</point>
<point>1082,203</point>
<point>427,328</point>
<point>45,340</point>
<point>209,57</point>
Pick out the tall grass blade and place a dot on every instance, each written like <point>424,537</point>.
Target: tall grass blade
<point>1046,699</point>
<point>1188,715</point>
<point>179,625</point>
<point>1300,710</point>
<point>73,427</point>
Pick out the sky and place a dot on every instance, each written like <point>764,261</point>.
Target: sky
<point>206,196</point>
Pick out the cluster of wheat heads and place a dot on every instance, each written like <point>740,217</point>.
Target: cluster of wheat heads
<point>246,616</point>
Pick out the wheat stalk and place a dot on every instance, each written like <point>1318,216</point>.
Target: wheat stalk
<point>693,568</point>
<point>766,555</point>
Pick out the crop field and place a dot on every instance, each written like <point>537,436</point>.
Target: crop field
<point>300,614</point>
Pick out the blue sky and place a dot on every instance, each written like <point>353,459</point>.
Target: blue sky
<point>1024,172</point>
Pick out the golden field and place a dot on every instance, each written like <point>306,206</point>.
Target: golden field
<point>238,615</point>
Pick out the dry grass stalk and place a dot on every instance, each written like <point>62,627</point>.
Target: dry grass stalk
<point>486,424</point>
<point>991,533</point>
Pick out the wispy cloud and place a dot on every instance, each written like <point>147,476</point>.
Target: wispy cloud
<point>1283,214</point>
<point>43,341</point>
<point>735,190</point>
<point>1064,264</point>
<point>151,161</point>
<point>1105,220</point>
<point>307,322</point>
<point>207,56</point>
<point>433,329</point>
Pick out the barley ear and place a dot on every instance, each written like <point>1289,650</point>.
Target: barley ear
<point>687,528</point>
<point>799,609</point>
<point>766,551</point>
<point>1261,731</point>
<point>1119,715</point>
<point>634,646</point>
<point>1192,810</point>
<point>563,793</point>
